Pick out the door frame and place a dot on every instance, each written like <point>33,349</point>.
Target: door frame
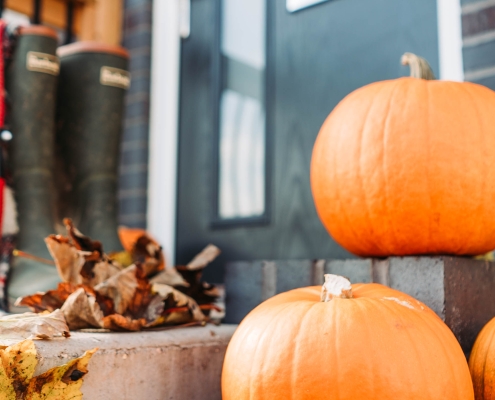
<point>164,124</point>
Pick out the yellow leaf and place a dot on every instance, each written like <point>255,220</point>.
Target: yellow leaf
<point>18,363</point>
<point>60,383</point>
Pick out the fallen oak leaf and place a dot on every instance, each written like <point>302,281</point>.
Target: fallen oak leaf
<point>34,326</point>
<point>117,322</point>
<point>17,366</point>
<point>184,309</point>
<point>120,288</point>
<point>68,260</point>
<point>170,277</point>
<point>81,310</point>
<point>206,256</point>
<point>142,296</point>
<point>98,272</point>
<point>149,253</point>
<point>16,369</point>
<point>202,292</point>
<point>76,266</point>
<point>50,300</point>
<point>61,383</point>
<point>80,241</point>
<point>129,290</point>
<point>143,248</point>
<point>54,299</point>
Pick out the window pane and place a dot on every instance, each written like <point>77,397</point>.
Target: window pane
<point>242,110</point>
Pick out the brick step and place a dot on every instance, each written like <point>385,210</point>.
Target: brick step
<point>459,290</point>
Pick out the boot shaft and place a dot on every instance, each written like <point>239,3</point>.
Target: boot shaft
<point>31,83</point>
<point>91,93</point>
<point>93,81</point>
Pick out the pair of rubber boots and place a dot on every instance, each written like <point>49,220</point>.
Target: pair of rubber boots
<point>65,115</point>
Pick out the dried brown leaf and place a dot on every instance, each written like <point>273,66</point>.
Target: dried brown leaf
<point>96,272</point>
<point>117,322</point>
<point>149,253</point>
<point>81,310</point>
<point>50,300</point>
<point>177,307</point>
<point>170,277</point>
<point>79,266</point>
<point>68,260</point>
<point>60,383</point>
<point>202,292</point>
<point>207,255</point>
<point>120,288</point>
<point>142,296</point>
<point>34,326</point>
<point>81,241</point>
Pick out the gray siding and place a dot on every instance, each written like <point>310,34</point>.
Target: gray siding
<point>478,32</point>
<point>134,154</point>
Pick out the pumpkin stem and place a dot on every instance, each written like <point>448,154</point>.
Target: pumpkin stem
<point>419,66</point>
<point>336,286</point>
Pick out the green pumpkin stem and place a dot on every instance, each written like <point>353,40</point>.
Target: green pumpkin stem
<point>335,286</point>
<point>419,66</point>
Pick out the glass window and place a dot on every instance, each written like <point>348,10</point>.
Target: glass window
<point>242,110</point>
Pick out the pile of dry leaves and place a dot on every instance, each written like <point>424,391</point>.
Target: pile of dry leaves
<point>104,291</point>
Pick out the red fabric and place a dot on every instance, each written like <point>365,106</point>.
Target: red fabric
<point>3,26</point>
<point>2,187</point>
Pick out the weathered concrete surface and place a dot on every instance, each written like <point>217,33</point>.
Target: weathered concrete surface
<point>178,364</point>
<point>458,289</point>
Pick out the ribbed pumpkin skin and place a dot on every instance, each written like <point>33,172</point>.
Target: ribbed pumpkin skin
<point>369,347</point>
<point>482,363</point>
<point>407,167</point>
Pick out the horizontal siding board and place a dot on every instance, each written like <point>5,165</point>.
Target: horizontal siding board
<point>133,180</point>
<point>478,57</point>
<point>464,2</point>
<point>478,22</point>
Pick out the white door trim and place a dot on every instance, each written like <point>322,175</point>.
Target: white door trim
<point>450,40</point>
<point>164,118</point>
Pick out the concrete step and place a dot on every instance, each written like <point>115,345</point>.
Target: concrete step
<point>178,364</point>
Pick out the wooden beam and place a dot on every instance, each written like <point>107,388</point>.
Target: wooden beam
<point>95,20</point>
<point>53,12</point>
<point>101,21</point>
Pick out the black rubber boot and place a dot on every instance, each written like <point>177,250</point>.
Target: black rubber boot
<point>31,83</point>
<point>93,81</point>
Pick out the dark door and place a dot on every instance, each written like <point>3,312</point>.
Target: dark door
<point>250,112</point>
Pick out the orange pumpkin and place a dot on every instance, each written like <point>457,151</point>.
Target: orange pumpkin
<point>368,342</point>
<point>482,363</point>
<point>407,166</point>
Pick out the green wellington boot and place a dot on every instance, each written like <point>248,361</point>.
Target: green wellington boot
<point>93,81</point>
<point>31,83</point>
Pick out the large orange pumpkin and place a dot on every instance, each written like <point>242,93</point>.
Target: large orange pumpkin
<point>482,363</point>
<point>407,166</point>
<point>375,344</point>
